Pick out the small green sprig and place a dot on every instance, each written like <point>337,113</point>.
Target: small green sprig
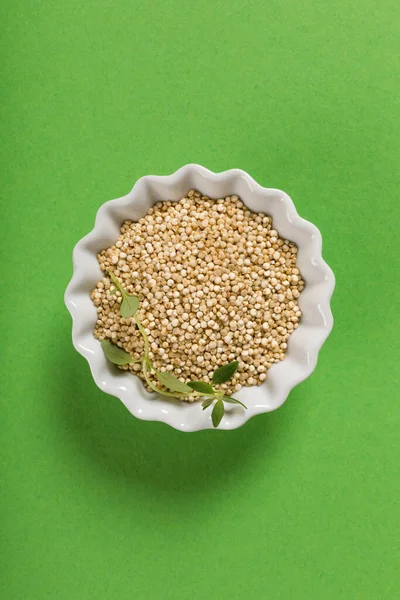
<point>221,375</point>
<point>172,386</point>
<point>130,304</point>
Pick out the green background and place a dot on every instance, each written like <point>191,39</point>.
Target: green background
<point>302,503</point>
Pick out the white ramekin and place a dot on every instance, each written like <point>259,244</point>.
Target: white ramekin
<point>303,346</point>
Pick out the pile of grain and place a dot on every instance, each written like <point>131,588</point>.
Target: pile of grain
<point>216,284</point>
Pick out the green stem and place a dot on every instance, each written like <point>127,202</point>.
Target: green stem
<point>116,282</point>
<point>144,336</point>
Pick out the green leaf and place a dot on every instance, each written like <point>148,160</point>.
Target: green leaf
<point>114,291</point>
<point>129,305</point>
<point>217,413</point>
<point>115,354</point>
<point>224,373</point>
<point>172,383</point>
<point>233,401</point>
<point>200,386</point>
<point>207,403</point>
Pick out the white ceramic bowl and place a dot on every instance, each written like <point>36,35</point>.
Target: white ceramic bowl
<point>303,346</point>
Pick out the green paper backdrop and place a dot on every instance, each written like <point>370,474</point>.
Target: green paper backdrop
<point>302,503</point>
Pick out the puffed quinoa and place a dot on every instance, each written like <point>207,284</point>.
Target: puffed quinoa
<point>216,283</point>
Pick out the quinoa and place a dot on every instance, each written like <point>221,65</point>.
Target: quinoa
<point>216,283</point>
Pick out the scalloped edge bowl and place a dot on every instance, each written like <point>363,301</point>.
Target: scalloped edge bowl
<point>303,346</point>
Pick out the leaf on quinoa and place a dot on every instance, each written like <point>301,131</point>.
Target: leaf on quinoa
<point>129,306</point>
<point>201,387</point>
<point>224,373</point>
<point>115,354</point>
<point>172,383</point>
